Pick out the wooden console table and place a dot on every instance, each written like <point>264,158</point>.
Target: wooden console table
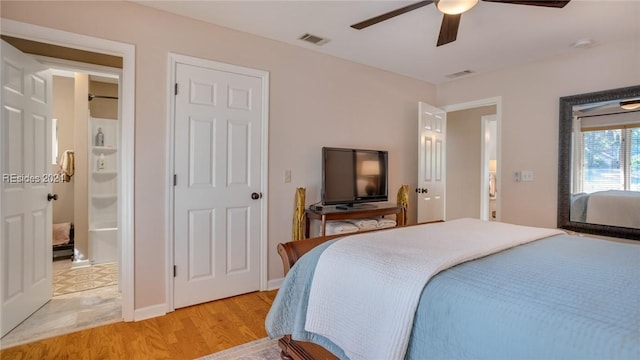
<point>332,213</point>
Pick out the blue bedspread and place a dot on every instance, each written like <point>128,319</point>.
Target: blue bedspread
<point>564,297</point>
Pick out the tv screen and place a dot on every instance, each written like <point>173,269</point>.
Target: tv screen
<point>351,176</point>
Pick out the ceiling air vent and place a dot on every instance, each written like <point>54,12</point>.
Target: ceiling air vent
<point>459,74</point>
<point>316,40</point>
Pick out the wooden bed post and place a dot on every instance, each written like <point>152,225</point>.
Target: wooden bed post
<point>302,350</point>
<point>284,345</point>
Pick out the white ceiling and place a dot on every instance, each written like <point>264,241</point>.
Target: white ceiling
<point>491,35</point>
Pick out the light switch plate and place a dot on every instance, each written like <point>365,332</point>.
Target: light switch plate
<point>527,175</point>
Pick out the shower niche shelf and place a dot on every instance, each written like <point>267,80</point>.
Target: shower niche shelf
<point>105,173</point>
<point>104,197</point>
<point>103,190</point>
<point>104,149</point>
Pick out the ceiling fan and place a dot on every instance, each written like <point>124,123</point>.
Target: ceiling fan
<point>612,106</point>
<point>452,10</point>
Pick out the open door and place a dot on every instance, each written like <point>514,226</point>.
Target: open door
<point>432,124</point>
<point>25,190</point>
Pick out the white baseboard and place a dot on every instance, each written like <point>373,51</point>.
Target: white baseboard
<point>161,309</point>
<point>274,284</point>
<point>150,312</point>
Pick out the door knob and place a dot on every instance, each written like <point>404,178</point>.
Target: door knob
<point>422,191</point>
<point>256,196</point>
<point>52,197</point>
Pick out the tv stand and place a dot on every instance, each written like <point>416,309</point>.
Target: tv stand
<point>354,212</point>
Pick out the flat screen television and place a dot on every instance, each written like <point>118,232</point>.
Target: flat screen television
<point>353,176</point>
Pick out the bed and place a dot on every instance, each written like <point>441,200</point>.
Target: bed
<point>610,207</point>
<point>558,296</point>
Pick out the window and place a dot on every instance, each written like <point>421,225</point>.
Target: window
<point>610,158</point>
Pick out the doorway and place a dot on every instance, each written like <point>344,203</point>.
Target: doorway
<point>87,199</point>
<point>84,273</point>
<point>471,158</point>
<point>489,177</point>
<point>126,53</point>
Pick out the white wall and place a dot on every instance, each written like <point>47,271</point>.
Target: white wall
<point>81,161</point>
<point>530,110</point>
<point>315,100</point>
<point>63,87</point>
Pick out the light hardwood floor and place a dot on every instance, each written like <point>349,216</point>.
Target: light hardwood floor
<point>186,333</point>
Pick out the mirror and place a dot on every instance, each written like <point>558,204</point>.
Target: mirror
<point>599,163</point>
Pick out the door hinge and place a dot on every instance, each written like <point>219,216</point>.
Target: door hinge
<point>175,179</point>
<point>175,271</point>
<point>175,90</point>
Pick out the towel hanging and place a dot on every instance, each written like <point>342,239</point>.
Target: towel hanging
<point>67,164</point>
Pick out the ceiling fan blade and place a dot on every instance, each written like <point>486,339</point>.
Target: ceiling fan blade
<point>386,16</point>
<point>554,4</point>
<point>587,108</point>
<point>449,29</point>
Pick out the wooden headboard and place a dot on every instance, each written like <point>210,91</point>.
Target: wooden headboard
<point>291,251</point>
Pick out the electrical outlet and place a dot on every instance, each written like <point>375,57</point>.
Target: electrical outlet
<point>287,176</point>
<point>516,176</point>
<point>527,175</point>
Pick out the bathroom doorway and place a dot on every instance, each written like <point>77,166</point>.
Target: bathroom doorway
<point>473,159</point>
<point>85,104</point>
<point>84,215</point>
<point>489,175</point>
<point>124,161</point>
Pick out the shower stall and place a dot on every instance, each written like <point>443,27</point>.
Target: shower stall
<point>103,190</point>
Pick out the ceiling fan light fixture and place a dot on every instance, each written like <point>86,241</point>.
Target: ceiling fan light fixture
<point>630,104</point>
<point>455,7</point>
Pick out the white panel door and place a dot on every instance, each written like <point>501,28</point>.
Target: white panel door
<point>25,252</point>
<point>431,163</point>
<point>217,221</point>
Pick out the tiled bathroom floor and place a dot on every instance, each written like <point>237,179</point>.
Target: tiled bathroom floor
<point>68,313</point>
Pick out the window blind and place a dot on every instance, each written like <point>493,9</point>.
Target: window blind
<point>626,119</point>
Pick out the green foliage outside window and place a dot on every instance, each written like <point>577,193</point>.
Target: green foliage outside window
<point>611,159</point>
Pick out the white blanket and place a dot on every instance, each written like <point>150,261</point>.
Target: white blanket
<point>339,227</point>
<point>366,287</point>
<point>364,224</point>
<point>385,223</point>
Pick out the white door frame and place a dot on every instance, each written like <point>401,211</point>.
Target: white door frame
<point>127,135</point>
<point>171,99</point>
<point>497,101</point>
